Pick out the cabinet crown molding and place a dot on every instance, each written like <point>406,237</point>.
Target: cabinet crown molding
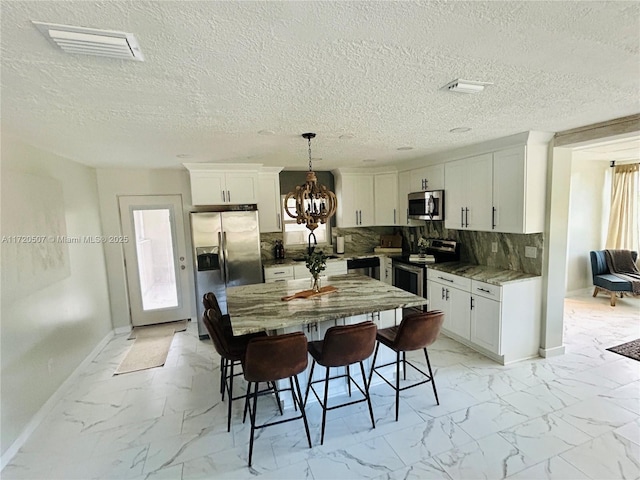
<point>226,167</point>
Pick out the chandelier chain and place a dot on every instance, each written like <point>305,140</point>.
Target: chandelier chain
<point>310,168</point>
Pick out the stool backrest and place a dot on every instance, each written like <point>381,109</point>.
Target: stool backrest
<point>213,323</point>
<point>347,344</point>
<point>418,330</point>
<point>275,357</point>
<point>209,300</point>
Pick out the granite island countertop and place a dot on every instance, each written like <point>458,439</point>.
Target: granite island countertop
<point>482,273</point>
<point>259,307</point>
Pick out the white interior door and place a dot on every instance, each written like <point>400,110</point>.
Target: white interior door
<point>155,258</point>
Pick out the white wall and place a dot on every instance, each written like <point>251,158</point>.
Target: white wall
<point>55,307</point>
<point>115,182</point>
<point>587,220</point>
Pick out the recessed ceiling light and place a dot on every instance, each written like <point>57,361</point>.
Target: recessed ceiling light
<point>346,136</point>
<point>465,86</point>
<point>460,130</point>
<point>404,148</point>
<point>266,132</point>
<point>184,155</point>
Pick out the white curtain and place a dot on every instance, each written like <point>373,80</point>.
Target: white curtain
<point>624,224</point>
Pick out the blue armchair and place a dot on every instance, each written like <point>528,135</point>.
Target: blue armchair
<point>604,281</point>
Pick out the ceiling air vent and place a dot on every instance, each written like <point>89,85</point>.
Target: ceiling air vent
<point>465,86</point>
<point>91,41</point>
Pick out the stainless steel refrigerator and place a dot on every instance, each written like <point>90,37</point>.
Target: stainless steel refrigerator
<point>226,249</point>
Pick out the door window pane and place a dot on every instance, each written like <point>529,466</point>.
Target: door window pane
<point>156,265</point>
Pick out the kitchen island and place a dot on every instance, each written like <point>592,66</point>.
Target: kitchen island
<point>259,307</point>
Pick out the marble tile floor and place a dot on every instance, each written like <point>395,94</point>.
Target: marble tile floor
<point>575,416</point>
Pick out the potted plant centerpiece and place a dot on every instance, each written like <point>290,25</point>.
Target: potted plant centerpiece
<point>316,263</point>
<point>422,246</point>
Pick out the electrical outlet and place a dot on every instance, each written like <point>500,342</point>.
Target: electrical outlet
<point>530,252</point>
<point>348,238</point>
<point>494,247</point>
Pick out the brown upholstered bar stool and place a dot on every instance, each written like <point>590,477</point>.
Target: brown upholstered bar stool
<point>416,331</point>
<point>209,300</point>
<point>270,359</point>
<point>231,351</point>
<point>341,347</point>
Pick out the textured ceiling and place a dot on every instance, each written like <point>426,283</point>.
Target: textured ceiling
<point>217,73</point>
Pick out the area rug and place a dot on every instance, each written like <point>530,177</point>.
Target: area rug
<point>150,347</point>
<point>629,349</point>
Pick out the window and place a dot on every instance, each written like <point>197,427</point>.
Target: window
<point>298,234</point>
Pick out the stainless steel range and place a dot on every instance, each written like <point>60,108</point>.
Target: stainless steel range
<point>411,275</point>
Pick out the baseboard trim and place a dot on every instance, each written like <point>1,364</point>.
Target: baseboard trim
<point>48,406</point>
<point>551,352</point>
<point>121,330</point>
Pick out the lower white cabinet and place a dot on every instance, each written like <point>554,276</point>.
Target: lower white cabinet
<point>281,273</point>
<point>501,322</point>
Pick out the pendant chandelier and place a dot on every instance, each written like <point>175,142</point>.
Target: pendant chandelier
<point>314,203</point>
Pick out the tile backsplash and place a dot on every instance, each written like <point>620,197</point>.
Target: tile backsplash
<point>475,247</point>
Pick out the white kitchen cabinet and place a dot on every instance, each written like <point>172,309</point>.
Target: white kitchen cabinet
<point>468,193</point>
<point>355,200</point>
<point>519,189</point>
<point>278,273</point>
<point>427,178</point>
<point>405,187</point>
<point>269,202</point>
<point>334,267</point>
<point>501,322</point>
<point>220,185</point>
<point>385,192</point>
<point>450,294</point>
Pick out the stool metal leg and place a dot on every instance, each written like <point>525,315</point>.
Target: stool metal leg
<point>324,406</point>
<point>404,365</point>
<point>433,380</point>
<point>304,414</point>
<point>230,398</point>
<point>366,390</point>
<point>223,376</point>
<point>277,394</point>
<point>348,380</point>
<point>253,420</point>
<point>397,384</point>
<point>373,364</point>
<point>306,393</point>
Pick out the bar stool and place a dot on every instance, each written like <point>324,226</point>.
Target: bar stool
<point>270,359</point>
<point>231,351</point>
<point>341,347</point>
<point>416,331</point>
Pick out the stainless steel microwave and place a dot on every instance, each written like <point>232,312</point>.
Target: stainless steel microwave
<point>427,205</point>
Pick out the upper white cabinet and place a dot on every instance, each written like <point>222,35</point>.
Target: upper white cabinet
<point>519,189</point>
<point>468,187</point>
<point>269,208</point>
<point>502,191</point>
<point>222,184</point>
<point>355,199</point>
<point>427,178</point>
<point>386,198</point>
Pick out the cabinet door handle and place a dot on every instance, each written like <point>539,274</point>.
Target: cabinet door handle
<point>442,293</point>
<point>407,216</point>
<point>394,216</point>
<point>461,217</point>
<point>493,218</point>
<point>228,196</point>
<point>278,221</point>
<point>466,211</point>
<point>447,294</point>
<point>484,290</point>
<point>471,303</point>
<point>360,217</point>
<point>223,195</point>
<point>446,279</point>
